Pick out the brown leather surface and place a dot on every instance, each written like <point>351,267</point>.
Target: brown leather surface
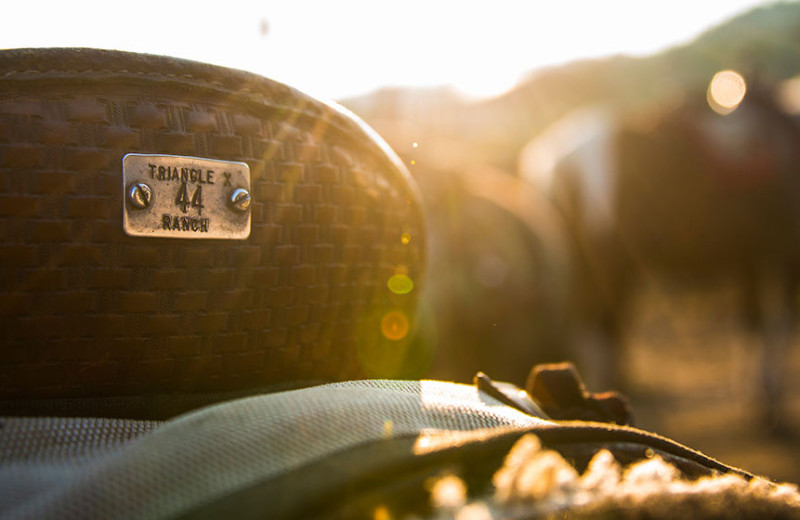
<point>86,310</point>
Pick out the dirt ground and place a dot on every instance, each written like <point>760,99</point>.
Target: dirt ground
<point>694,378</point>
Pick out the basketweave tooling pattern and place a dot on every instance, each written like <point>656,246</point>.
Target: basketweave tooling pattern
<point>86,310</point>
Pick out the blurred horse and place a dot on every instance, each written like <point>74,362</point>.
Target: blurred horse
<point>684,191</point>
<point>495,265</point>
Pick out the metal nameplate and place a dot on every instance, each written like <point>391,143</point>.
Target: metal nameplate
<point>185,197</point>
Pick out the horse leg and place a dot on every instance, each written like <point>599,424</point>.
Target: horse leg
<point>770,309</point>
<point>599,354</point>
<point>603,293</point>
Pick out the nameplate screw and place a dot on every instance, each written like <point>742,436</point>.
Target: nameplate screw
<point>140,195</point>
<point>240,200</point>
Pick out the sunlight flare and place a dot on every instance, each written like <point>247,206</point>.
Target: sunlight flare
<point>726,91</point>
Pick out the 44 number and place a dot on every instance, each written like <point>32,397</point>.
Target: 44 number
<point>183,201</point>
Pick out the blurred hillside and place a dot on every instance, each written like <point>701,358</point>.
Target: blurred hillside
<point>765,41</point>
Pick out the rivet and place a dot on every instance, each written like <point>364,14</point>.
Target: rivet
<point>140,195</point>
<point>240,200</point>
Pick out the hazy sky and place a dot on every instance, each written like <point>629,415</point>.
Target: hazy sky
<point>338,48</point>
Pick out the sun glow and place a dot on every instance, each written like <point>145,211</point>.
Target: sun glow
<point>351,47</point>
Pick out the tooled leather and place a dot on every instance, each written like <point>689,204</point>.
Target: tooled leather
<point>81,64</point>
<point>86,311</point>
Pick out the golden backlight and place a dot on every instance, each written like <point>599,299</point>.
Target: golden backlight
<point>726,91</point>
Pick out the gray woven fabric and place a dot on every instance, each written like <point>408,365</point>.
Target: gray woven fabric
<point>204,455</point>
<point>53,439</point>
